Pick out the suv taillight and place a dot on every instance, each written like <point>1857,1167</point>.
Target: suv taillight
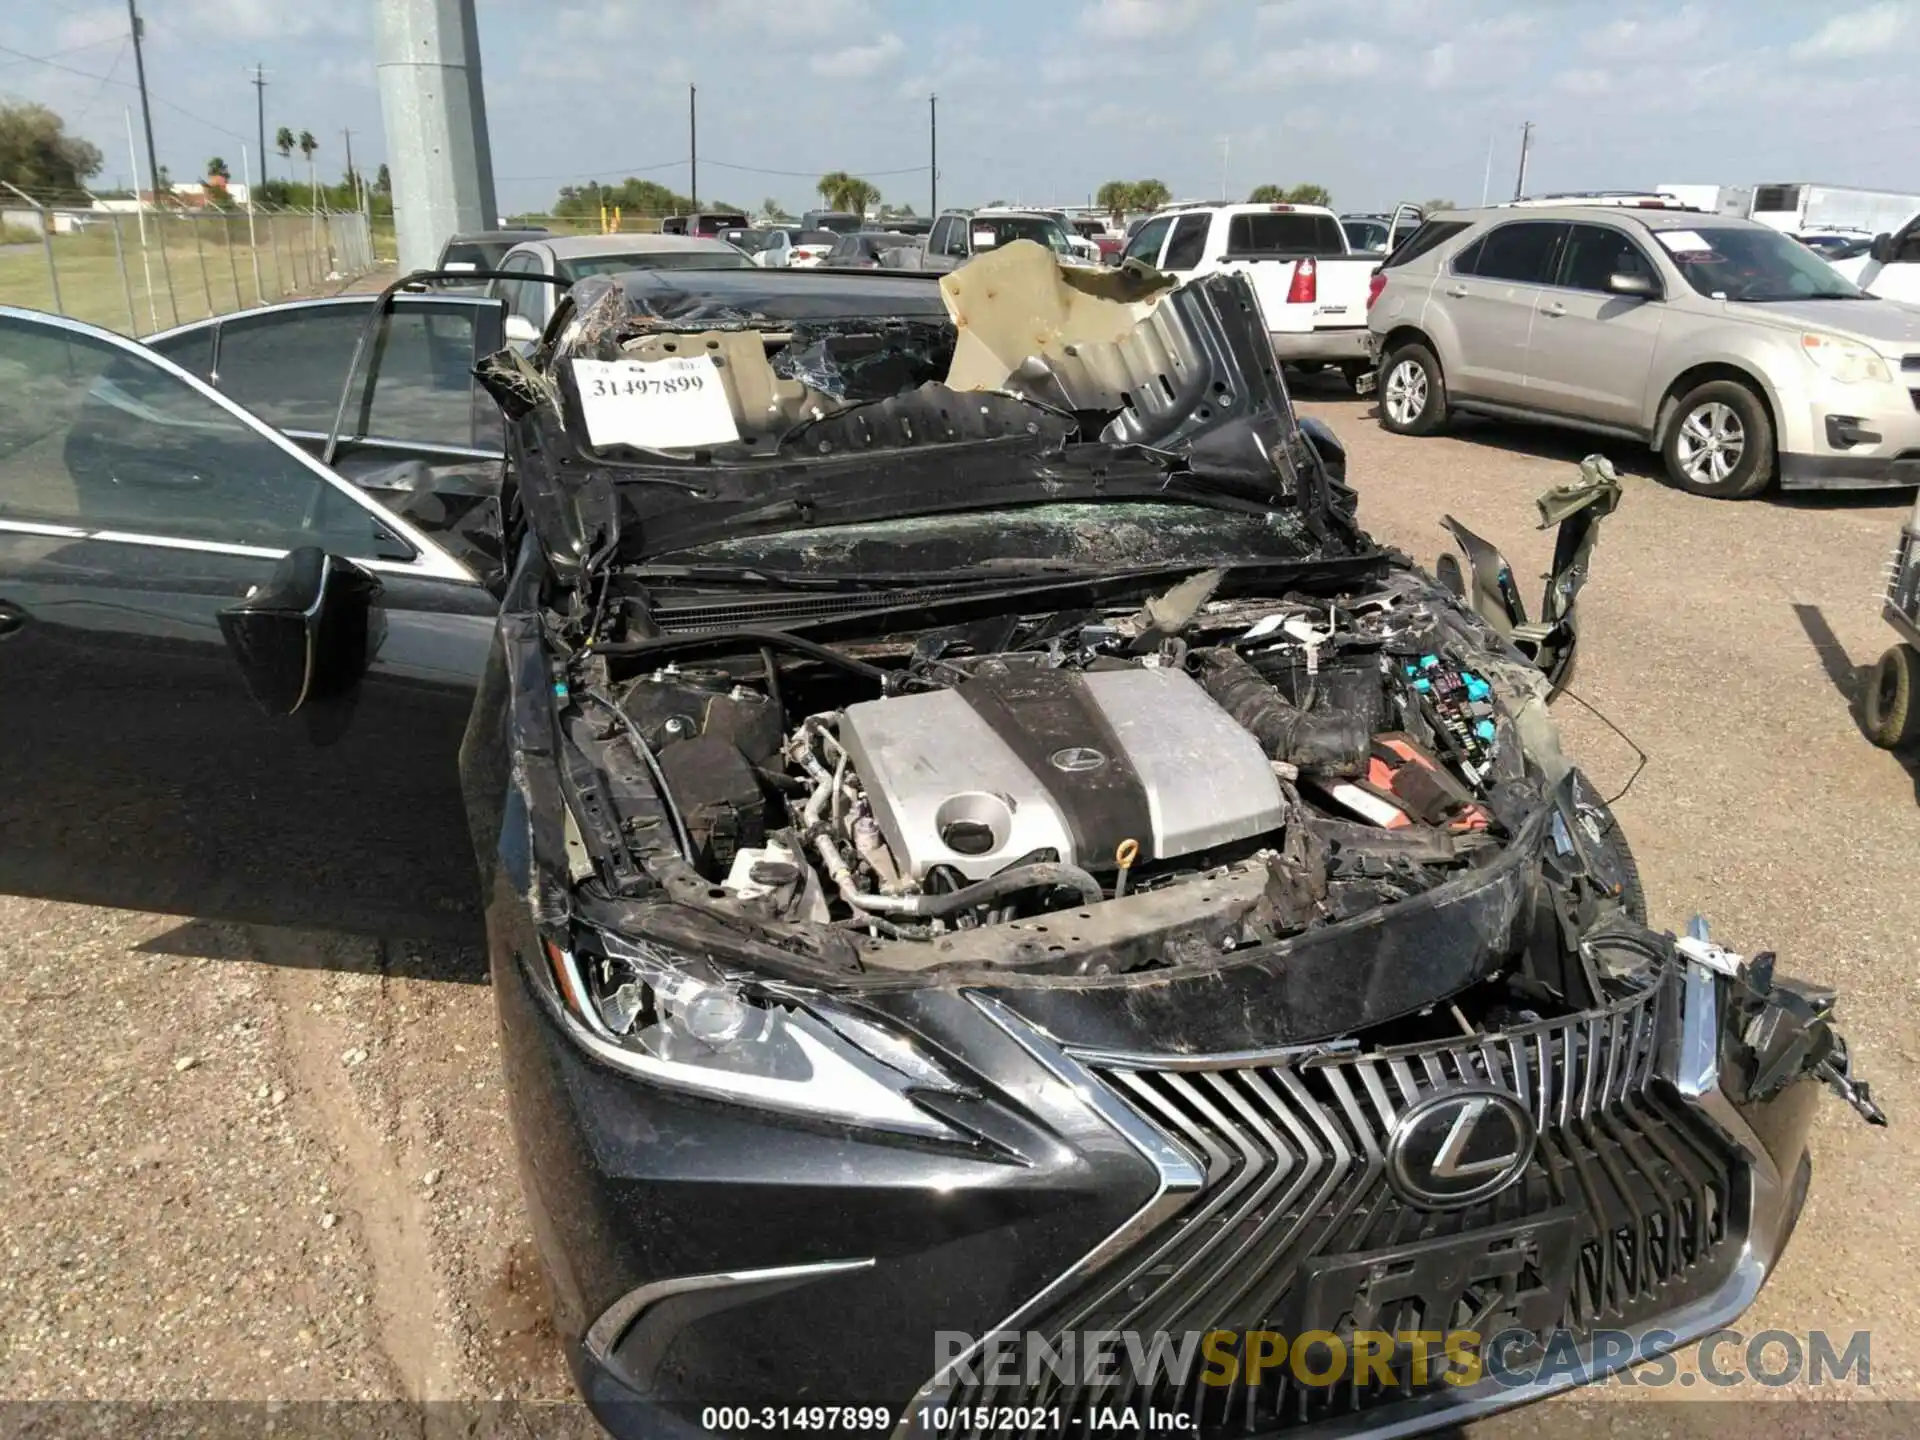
<point>1305,288</point>
<point>1376,282</point>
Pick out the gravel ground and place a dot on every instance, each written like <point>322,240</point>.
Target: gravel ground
<point>257,1165</point>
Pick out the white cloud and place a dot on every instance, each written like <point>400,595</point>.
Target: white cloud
<point>1647,38</point>
<point>1443,65</point>
<point>1141,19</point>
<point>228,20</point>
<point>1860,33</point>
<point>856,62</point>
<point>1585,82</point>
<point>1321,60</point>
<point>784,20</point>
<point>89,28</point>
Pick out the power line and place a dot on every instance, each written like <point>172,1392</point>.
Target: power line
<point>70,50</point>
<point>105,80</point>
<point>109,79</point>
<point>598,174</point>
<point>815,174</point>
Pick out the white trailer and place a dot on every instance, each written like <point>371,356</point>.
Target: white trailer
<point>1714,199</point>
<point>1799,208</point>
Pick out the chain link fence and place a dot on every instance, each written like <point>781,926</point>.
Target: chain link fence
<point>142,271</point>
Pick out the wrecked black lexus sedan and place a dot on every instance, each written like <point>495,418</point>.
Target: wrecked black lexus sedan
<point>984,856</point>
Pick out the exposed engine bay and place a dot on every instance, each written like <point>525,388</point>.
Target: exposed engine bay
<point>877,755</point>
<point>1228,770</point>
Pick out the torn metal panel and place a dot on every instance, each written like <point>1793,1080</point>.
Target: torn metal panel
<point>1021,315</point>
<point>1488,585</point>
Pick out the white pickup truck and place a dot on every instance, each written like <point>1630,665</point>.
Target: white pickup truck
<point>1312,286</point>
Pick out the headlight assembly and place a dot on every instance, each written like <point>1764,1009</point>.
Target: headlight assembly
<point>676,1020</point>
<point>1847,361</point>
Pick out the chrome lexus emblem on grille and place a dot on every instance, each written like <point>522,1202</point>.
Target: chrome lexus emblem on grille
<point>1077,758</point>
<point>1459,1147</point>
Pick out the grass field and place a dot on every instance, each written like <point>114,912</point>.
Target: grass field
<point>187,270</point>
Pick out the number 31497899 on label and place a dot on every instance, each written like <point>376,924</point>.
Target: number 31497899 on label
<point>603,385</point>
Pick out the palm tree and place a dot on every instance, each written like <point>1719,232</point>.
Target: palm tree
<point>861,195</point>
<point>307,146</point>
<point>1309,195</point>
<point>1427,207</point>
<point>1116,198</point>
<point>1267,195</point>
<point>217,169</point>
<point>833,189</point>
<point>1150,194</point>
<point>283,142</point>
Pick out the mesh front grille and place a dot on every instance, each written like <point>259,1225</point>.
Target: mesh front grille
<point>1622,1213</point>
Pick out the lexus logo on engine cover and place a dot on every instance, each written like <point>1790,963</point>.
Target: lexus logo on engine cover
<point>1076,758</point>
<point>1459,1147</point>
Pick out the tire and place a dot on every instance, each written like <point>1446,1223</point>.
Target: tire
<point>1419,405</point>
<point>1719,442</point>
<point>1890,708</point>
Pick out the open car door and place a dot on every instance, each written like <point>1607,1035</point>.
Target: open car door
<point>417,433</point>
<point>231,684</point>
<point>1406,219</point>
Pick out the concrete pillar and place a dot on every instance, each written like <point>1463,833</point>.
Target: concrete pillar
<point>436,122</point>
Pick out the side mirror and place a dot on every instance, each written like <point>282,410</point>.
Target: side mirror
<point>1881,251</point>
<point>303,635</point>
<point>1641,287</point>
<point>521,331</point>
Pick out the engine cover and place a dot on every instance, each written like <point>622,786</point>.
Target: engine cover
<point>1076,761</point>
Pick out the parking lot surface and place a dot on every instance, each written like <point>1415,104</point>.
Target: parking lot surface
<point>250,1164</point>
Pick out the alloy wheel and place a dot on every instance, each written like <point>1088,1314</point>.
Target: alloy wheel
<point>1406,397</point>
<point>1711,443</point>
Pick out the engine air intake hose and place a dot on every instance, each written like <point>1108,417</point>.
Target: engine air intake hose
<point>1320,742</point>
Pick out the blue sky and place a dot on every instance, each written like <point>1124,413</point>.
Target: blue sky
<point>1041,100</point>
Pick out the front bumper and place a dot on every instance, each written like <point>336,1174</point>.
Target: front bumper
<point>707,1255</point>
<point>1852,436</point>
<point>1329,346</point>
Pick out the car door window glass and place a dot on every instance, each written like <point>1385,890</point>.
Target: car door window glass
<point>1595,253</point>
<point>1523,253</point>
<point>1429,236</point>
<point>95,436</point>
<point>1145,245</point>
<point>1188,244</point>
<point>287,367</point>
<point>1907,252</point>
<point>516,292</point>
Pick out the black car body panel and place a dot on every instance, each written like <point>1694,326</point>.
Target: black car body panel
<point>1069,1112</point>
<point>136,507</point>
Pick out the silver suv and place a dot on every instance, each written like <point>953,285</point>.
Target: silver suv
<point>1736,352</point>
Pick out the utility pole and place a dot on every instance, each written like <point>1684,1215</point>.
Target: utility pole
<point>933,154</point>
<point>353,180</point>
<point>153,160</point>
<point>433,107</point>
<point>1224,140</point>
<point>1526,144</point>
<point>146,110</point>
<point>693,148</point>
<point>260,115</point>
